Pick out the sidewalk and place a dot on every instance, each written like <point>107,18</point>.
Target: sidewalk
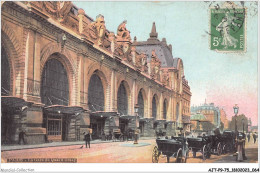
<point>56,144</point>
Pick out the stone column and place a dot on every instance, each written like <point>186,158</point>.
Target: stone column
<point>32,123</point>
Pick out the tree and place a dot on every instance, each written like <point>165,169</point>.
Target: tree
<point>239,123</point>
<point>207,126</point>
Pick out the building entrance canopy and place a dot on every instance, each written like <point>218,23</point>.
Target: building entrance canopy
<point>127,117</point>
<point>64,109</point>
<point>13,102</point>
<point>103,114</point>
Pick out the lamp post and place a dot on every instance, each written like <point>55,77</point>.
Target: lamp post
<point>236,108</point>
<point>136,133</point>
<point>243,124</point>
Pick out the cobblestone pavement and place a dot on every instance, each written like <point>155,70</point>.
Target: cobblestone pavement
<point>118,152</point>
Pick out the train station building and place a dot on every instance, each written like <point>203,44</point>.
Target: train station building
<point>63,73</point>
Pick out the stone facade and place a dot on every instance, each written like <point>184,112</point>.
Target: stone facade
<point>35,32</point>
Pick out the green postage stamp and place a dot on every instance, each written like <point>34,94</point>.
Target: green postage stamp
<point>228,28</point>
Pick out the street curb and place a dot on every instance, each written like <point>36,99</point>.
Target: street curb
<point>83,143</point>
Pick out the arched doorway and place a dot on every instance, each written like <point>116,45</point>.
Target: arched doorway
<point>5,74</point>
<point>141,111</point>
<point>177,113</point>
<point>141,104</point>
<point>165,109</point>
<point>122,100</point>
<point>6,113</point>
<point>55,91</point>
<point>95,94</point>
<point>96,104</point>
<point>122,106</point>
<point>154,111</point>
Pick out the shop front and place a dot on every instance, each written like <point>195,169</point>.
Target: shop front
<point>61,122</point>
<point>102,123</point>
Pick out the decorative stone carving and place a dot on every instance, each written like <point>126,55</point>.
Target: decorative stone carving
<point>155,66</point>
<point>122,33</point>
<point>98,29</point>
<point>165,77</point>
<point>58,9</point>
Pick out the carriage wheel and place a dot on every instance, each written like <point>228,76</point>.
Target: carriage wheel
<point>194,154</point>
<point>156,154</point>
<point>208,151</point>
<point>179,156</point>
<point>219,149</point>
<point>204,152</point>
<point>168,159</point>
<point>186,157</point>
<point>224,149</point>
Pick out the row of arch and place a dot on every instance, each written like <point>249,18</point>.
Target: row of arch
<point>55,89</point>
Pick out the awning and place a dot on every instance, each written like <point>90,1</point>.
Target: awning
<point>103,114</point>
<point>158,121</point>
<point>13,102</point>
<point>64,109</point>
<point>145,119</point>
<point>127,117</point>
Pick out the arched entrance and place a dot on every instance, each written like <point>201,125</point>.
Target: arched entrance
<point>55,91</point>
<point>96,104</point>
<point>5,74</point>
<point>122,100</point>
<point>95,94</point>
<point>6,114</point>
<point>177,113</point>
<point>154,110</point>
<point>122,106</point>
<point>165,109</point>
<point>141,111</point>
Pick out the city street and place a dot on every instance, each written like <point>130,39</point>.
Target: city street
<point>119,152</point>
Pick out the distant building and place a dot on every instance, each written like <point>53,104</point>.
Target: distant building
<point>254,129</point>
<point>223,119</point>
<point>211,112</point>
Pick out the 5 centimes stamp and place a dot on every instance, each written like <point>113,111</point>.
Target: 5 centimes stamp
<point>228,28</point>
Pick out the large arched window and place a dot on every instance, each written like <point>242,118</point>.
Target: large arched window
<point>141,104</point>
<point>5,74</point>
<point>154,107</point>
<point>95,94</point>
<point>164,109</point>
<point>54,84</point>
<point>177,111</point>
<point>122,101</point>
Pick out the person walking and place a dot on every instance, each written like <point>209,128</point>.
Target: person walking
<point>254,136</point>
<point>248,137</point>
<point>21,137</point>
<point>87,139</point>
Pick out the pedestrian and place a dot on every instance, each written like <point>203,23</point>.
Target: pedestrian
<point>254,136</point>
<point>87,139</point>
<point>248,137</point>
<point>21,137</point>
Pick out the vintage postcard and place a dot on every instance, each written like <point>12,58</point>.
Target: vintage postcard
<point>129,82</point>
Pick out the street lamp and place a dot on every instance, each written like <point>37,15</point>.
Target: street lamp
<point>236,108</point>
<point>136,108</point>
<point>243,124</point>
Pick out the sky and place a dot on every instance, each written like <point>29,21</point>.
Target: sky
<point>225,79</point>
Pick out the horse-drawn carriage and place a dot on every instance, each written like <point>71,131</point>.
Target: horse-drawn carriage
<point>216,144</point>
<point>228,141</point>
<point>117,135</point>
<point>200,144</point>
<point>176,147</point>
